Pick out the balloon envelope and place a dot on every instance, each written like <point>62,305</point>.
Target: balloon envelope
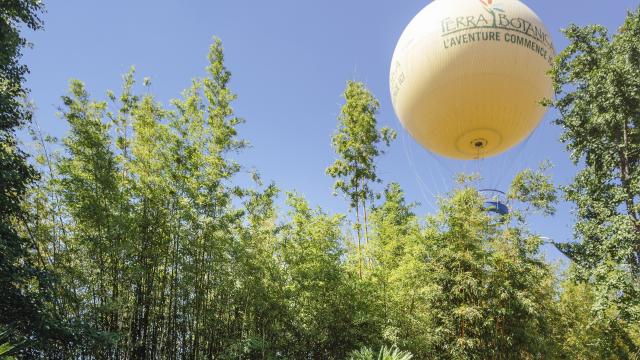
<point>467,76</point>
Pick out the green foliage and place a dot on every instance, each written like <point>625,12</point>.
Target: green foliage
<point>158,253</point>
<point>463,286</point>
<point>486,295</point>
<point>28,308</point>
<point>385,353</point>
<point>164,256</point>
<point>357,143</point>
<point>536,189</point>
<point>152,209</point>
<point>320,297</point>
<point>14,15</point>
<point>363,354</point>
<point>598,97</point>
<point>584,336</point>
<point>7,350</point>
<point>395,262</point>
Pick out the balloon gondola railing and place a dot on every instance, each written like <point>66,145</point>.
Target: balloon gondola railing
<point>495,201</point>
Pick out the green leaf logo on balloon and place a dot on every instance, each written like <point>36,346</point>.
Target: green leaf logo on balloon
<point>492,8</point>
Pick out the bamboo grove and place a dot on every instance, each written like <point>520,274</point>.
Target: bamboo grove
<point>149,247</point>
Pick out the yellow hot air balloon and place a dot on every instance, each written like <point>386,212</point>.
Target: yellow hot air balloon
<point>467,76</point>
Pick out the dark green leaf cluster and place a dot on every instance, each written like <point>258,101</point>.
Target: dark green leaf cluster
<point>28,309</point>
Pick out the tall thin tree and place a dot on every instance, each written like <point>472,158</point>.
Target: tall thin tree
<point>598,97</point>
<point>358,142</point>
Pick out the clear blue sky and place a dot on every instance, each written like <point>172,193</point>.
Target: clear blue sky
<point>290,61</point>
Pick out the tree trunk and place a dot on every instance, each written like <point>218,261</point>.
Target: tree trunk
<point>366,229</point>
<point>359,240</point>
